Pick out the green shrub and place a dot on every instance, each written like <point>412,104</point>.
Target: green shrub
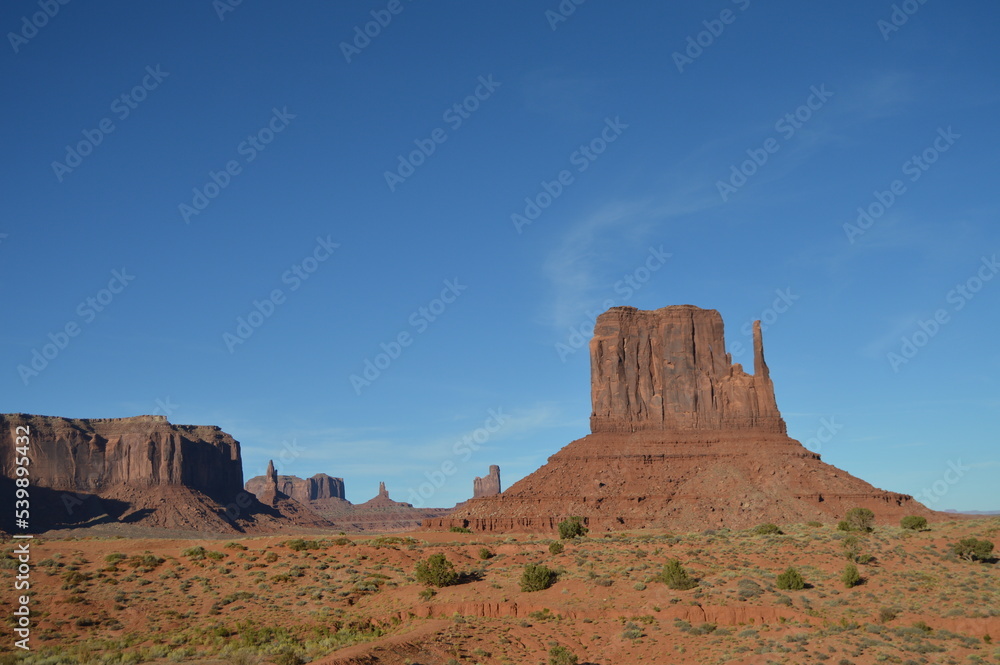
<point>790,580</point>
<point>556,547</point>
<point>115,558</point>
<point>436,571</point>
<point>537,577</point>
<point>675,577</point>
<point>850,577</point>
<point>288,656</point>
<point>485,553</point>
<point>427,594</point>
<point>887,614</point>
<point>459,529</point>
<point>231,545</point>
<point>814,523</point>
<point>852,547</point>
<point>298,544</point>
<point>766,529</point>
<point>749,589</point>
<point>572,528</point>
<point>559,655</point>
<point>843,525</point>
<point>914,522</point>
<point>195,553</point>
<point>144,562</point>
<point>860,519</point>
<point>971,549</point>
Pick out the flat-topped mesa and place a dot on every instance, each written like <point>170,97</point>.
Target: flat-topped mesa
<point>667,369</point>
<point>488,485</point>
<point>92,455</point>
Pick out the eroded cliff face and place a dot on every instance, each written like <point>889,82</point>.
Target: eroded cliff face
<point>93,455</point>
<point>668,369</point>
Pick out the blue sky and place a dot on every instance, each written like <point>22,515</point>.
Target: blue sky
<point>231,162</point>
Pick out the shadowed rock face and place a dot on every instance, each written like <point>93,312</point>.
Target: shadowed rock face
<point>668,370</point>
<point>682,439</point>
<point>487,486</point>
<point>96,454</point>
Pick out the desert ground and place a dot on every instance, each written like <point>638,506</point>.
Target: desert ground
<point>329,598</point>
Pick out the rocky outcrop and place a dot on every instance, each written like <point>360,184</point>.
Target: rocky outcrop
<point>303,490</point>
<point>682,439</point>
<point>487,486</point>
<point>668,370</point>
<point>140,471</point>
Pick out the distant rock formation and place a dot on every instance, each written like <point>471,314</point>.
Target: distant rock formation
<point>487,486</point>
<point>142,470</point>
<point>682,439</point>
<point>303,490</point>
<point>324,496</point>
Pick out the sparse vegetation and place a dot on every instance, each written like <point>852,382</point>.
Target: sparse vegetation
<point>537,577</point>
<point>767,529</point>
<point>790,580</point>
<point>914,522</point>
<point>850,577</point>
<point>485,553</point>
<point>860,519</point>
<point>460,529</point>
<point>675,576</point>
<point>556,547</point>
<point>572,528</point>
<point>436,571</point>
<point>560,655</point>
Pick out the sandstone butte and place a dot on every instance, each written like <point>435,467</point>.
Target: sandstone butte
<point>682,438</point>
<point>143,471</point>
